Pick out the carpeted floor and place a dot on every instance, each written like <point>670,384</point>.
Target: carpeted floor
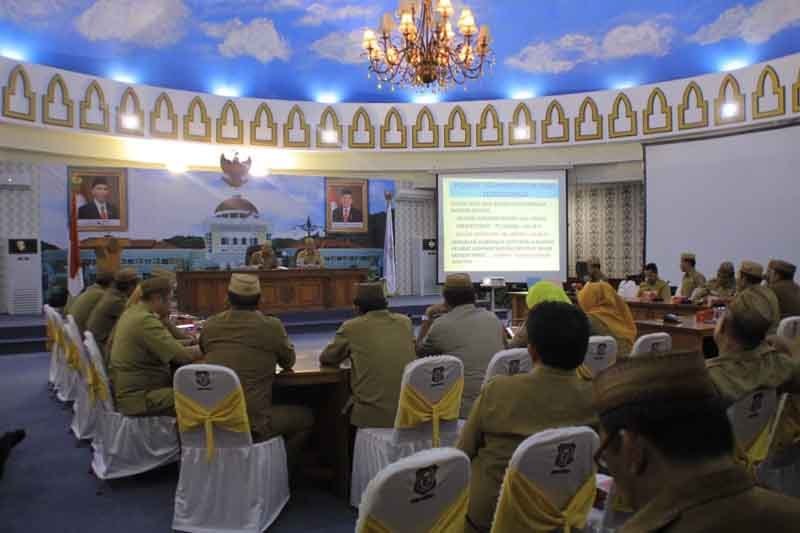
<point>47,484</point>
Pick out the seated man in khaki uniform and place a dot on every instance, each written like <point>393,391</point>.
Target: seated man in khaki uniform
<point>692,279</point>
<point>723,287</point>
<point>251,344</point>
<point>110,307</point>
<point>309,257</point>
<point>751,275</point>
<point>82,307</point>
<point>141,355</point>
<point>512,408</point>
<point>379,344</point>
<point>136,297</point>
<point>265,257</point>
<point>667,442</point>
<point>780,278</point>
<point>459,328</point>
<point>653,287</point>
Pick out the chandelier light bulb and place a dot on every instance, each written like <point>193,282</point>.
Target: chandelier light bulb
<point>445,8</point>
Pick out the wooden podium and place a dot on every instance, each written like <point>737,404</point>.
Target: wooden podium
<point>205,293</point>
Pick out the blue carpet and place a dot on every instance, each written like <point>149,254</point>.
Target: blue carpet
<point>47,484</point>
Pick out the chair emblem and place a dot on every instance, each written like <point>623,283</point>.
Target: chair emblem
<point>426,480</point>
<point>659,347</point>
<point>756,405</point>
<point>202,378</point>
<point>601,349</point>
<point>513,367</point>
<point>438,375</point>
<point>566,454</point>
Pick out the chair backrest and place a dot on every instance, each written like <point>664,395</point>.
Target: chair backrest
<point>752,415</point>
<point>789,327</point>
<point>508,363</point>
<point>76,337</point>
<point>96,359</point>
<point>430,378</point>
<point>416,493</point>
<point>600,354</point>
<point>208,386</point>
<point>651,344</point>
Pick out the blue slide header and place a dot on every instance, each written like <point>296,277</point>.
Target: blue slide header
<point>503,189</point>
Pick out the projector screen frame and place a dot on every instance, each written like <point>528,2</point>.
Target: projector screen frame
<point>563,212</point>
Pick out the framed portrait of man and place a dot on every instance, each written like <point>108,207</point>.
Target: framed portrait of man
<point>346,206</point>
<point>102,198</point>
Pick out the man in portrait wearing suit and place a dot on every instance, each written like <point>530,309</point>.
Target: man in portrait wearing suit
<point>99,208</point>
<point>346,212</point>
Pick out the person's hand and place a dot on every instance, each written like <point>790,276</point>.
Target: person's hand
<point>435,311</point>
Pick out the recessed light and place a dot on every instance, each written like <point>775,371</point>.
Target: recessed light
<point>627,84</point>
<point>425,98</point>
<point>130,122</point>
<point>328,98</point>
<point>730,109</point>
<point>330,136</point>
<point>734,64</point>
<point>522,133</point>
<point>123,77</point>
<point>12,53</point>
<point>227,91</point>
<point>522,94</point>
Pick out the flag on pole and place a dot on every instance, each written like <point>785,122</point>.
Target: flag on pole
<point>74,270</point>
<point>389,259</point>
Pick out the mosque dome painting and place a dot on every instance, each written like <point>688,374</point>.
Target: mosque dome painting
<point>235,226</point>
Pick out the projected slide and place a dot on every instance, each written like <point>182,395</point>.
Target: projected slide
<point>509,225</point>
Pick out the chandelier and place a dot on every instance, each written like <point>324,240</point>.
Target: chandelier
<point>424,51</point>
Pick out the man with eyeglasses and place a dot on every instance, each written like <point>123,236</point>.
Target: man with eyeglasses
<point>668,444</point>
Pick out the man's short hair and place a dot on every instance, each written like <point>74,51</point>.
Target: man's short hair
<point>347,192</point>
<point>99,181</point>
<point>458,296</point>
<point>685,430</point>
<point>58,297</point>
<point>749,333</point>
<point>248,303</point>
<point>753,280</point>
<point>365,305</point>
<point>691,261</point>
<point>560,334</point>
<point>126,286</point>
<point>651,267</point>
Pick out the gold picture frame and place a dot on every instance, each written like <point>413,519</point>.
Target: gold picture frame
<point>336,206</point>
<point>87,182</point>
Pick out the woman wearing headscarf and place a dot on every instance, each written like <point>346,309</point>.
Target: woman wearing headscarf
<point>542,291</point>
<point>609,315</point>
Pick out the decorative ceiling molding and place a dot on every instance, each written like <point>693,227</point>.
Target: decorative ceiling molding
<point>596,118</point>
<point>329,124</point>
<point>297,118</point>
<point>633,129</point>
<point>778,91</point>
<point>229,116</point>
<point>425,123</point>
<point>522,122</point>
<point>393,122</point>
<point>57,83</point>
<point>489,113</point>
<point>163,103</point>
<point>197,106</point>
<point>128,97</point>
<point>94,90</point>
<point>361,118</point>
<point>692,90</point>
<point>555,107</point>
<point>457,113</point>
<point>665,110</point>
<point>19,75</point>
<point>256,124</point>
<point>729,82</point>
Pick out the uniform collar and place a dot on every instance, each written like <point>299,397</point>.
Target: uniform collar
<point>755,353</point>
<point>676,499</point>
<point>553,371</point>
<point>378,312</point>
<point>462,309</point>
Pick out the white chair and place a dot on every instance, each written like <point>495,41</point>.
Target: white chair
<point>754,421</point>
<point>234,486</point>
<point>789,327</point>
<point>125,445</point>
<point>53,340</point>
<point>85,417</point>
<point>628,289</point>
<point>508,363</point>
<point>433,379</point>
<point>426,492</point>
<point>559,465</point>
<point>70,378</point>
<point>651,344</point>
<point>600,354</point>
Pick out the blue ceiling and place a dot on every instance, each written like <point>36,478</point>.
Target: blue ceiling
<point>301,49</point>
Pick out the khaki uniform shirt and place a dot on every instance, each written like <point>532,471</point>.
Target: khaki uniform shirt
<point>788,294</point>
<point>140,357</point>
<point>726,501</point>
<point>773,302</point>
<point>509,410</point>
<point>716,288</point>
<point>104,316</point>
<point>250,344</point>
<point>309,258</point>
<point>379,344</point>
<point>81,308</point>
<point>660,287</point>
<point>268,261</point>
<point>691,281</point>
<point>473,335</point>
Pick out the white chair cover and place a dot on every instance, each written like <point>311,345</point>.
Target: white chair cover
<point>52,375</point>
<point>508,363</point>
<point>789,327</point>
<point>600,354</point>
<point>68,379</point>
<point>124,445</point>
<point>85,418</point>
<point>410,495</point>
<point>376,448</point>
<point>245,486</point>
<point>628,289</point>
<point>651,344</point>
<point>752,415</point>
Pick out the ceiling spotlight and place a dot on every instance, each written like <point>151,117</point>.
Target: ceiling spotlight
<point>130,122</point>
<point>124,78</point>
<point>733,64</point>
<point>522,94</point>
<point>328,98</point>
<point>425,98</point>
<point>227,91</point>
<point>13,54</point>
<point>522,133</point>
<point>177,167</point>
<point>730,110</point>
<point>624,85</point>
<point>330,136</point>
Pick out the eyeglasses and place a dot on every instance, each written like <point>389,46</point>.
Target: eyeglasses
<point>598,456</point>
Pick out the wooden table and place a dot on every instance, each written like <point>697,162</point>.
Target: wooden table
<point>647,310</point>
<point>688,335</point>
<point>205,293</point>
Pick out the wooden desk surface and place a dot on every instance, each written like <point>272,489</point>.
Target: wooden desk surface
<point>307,371</point>
<point>688,324</point>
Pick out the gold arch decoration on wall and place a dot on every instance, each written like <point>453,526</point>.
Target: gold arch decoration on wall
<point>796,94</point>
<point>86,105</point>
<point>122,109</point>
<point>329,116</point>
<point>633,130</point>
<point>360,116</point>
<point>649,111</point>
<point>556,106</point>
<point>162,101</point>
<point>522,111</point>
<point>195,105</point>
<point>597,118</point>
<point>466,127</point>
<point>49,98</point>
<point>427,115</point>
<point>777,89</point>
<point>490,112</point>
<point>296,115</point>
<point>16,75</point>
<point>737,97</point>
<point>255,125</point>
<point>229,110</point>
<point>394,114</point>
<point>702,104</point>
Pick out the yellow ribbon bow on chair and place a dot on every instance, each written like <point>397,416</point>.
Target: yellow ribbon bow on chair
<point>95,386</point>
<point>523,507</point>
<point>73,356</point>
<point>415,409</point>
<point>229,414</point>
<point>585,373</point>
<point>451,520</point>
